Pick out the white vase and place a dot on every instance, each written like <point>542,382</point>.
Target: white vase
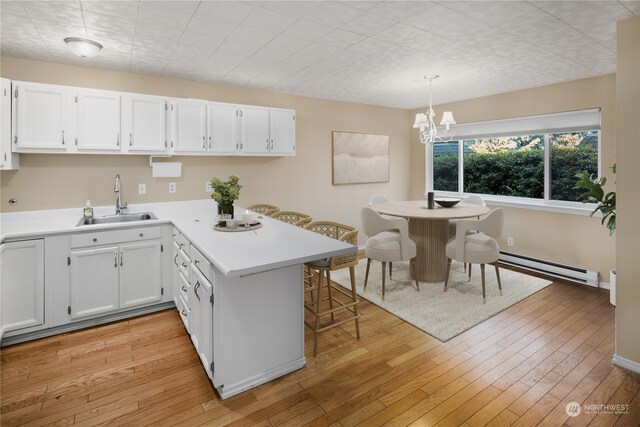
<point>612,287</point>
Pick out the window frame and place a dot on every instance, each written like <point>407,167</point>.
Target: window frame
<point>544,204</point>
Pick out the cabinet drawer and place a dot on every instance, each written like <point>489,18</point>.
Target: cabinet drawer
<point>183,288</point>
<point>202,264</point>
<point>182,241</point>
<point>183,311</point>
<point>116,236</point>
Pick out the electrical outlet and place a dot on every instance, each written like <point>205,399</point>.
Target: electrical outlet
<point>509,241</point>
<point>142,188</point>
<point>207,187</point>
<point>172,187</point>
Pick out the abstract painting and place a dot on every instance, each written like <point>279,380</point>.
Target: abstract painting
<point>360,158</point>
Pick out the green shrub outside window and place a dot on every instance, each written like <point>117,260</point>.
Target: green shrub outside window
<point>514,166</point>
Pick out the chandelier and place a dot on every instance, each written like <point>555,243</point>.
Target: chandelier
<point>424,121</point>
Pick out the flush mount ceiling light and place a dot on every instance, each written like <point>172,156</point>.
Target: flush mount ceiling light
<point>83,47</point>
<point>425,124</point>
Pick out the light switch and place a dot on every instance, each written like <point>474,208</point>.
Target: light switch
<point>142,188</point>
<point>207,187</point>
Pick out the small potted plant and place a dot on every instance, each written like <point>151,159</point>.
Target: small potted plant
<point>606,205</point>
<point>225,193</point>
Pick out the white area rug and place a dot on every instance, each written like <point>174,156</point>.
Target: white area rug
<point>442,315</point>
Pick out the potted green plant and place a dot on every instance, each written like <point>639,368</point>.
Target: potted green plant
<point>606,204</point>
<point>225,193</point>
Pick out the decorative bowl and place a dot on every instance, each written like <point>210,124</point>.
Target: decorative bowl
<point>447,202</point>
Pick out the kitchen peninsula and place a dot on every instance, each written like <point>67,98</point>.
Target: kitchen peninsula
<point>239,294</point>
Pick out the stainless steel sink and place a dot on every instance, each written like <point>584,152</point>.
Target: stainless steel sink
<point>114,219</point>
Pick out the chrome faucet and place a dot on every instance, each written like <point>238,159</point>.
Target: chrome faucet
<point>119,206</point>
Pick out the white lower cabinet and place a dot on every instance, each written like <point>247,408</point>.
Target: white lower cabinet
<point>22,286</point>
<point>202,315</point>
<point>116,276</point>
<point>94,281</point>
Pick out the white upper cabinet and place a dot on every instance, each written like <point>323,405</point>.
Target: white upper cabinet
<point>40,117</point>
<point>144,123</point>
<point>98,120</point>
<point>8,160</point>
<point>188,126</point>
<point>223,128</point>
<point>282,127</point>
<point>255,130</point>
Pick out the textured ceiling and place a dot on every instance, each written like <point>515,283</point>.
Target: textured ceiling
<point>373,52</point>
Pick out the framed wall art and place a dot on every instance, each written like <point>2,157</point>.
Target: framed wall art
<point>359,158</point>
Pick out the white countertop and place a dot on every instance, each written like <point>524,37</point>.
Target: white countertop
<point>274,245</point>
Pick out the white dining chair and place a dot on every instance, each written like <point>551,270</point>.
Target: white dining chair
<point>477,248</point>
<point>377,199</point>
<point>472,200</point>
<point>388,241</point>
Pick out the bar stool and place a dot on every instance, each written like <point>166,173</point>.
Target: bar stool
<point>323,267</point>
<point>264,209</point>
<point>292,217</point>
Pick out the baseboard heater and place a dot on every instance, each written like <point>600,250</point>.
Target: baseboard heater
<point>566,272</point>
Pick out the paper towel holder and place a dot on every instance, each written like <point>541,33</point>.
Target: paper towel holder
<point>165,169</point>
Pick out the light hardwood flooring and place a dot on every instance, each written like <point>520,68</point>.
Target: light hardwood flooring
<point>519,368</point>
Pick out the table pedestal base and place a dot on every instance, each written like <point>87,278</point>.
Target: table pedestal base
<point>431,237</point>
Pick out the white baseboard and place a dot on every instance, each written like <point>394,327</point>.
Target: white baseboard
<point>626,363</point>
<point>605,285</point>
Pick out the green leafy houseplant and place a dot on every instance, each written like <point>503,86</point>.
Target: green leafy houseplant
<point>225,193</point>
<point>595,194</point>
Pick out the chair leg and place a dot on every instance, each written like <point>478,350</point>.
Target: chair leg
<point>446,277</point>
<point>354,298</point>
<point>330,296</point>
<point>412,264</point>
<point>366,275</point>
<point>384,266</point>
<point>484,295</point>
<point>498,277</point>
<point>317,324</point>
<point>390,268</point>
<point>469,271</point>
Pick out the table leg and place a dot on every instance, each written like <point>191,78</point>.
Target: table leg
<point>431,238</point>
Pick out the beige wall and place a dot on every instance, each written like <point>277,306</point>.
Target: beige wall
<point>299,183</point>
<point>628,191</point>
<point>564,238</point>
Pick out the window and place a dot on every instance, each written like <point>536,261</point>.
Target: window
<point>539,165</point>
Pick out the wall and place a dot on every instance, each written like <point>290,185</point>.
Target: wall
<point>299,183</point>
<point>628,193</point>
<point>564,238</point>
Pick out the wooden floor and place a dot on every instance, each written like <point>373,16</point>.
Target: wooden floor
<point>518,368</point>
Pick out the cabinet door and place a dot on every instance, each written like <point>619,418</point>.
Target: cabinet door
<point>22,273</point>
<point>94,281</point>
<point>255,130</point>
<point>282,128</point>
<point>223,128</point>
<point>8,160</point>
<point>189,126</point>
<point>205,291</point>
<point>140,273</point>
<point>40,113</point>
<point>98,121</point>
<point>146,124</point>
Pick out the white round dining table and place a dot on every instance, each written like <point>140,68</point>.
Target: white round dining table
<point>429,228</point>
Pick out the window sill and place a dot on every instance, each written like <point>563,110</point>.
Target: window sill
<point>570,208</point>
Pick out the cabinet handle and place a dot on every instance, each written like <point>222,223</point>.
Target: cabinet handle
<point>196,262</point>
<point>271,145</point>
<point>181,245</point>
<point>195,290</point>
<point>184,314</point>
<point>267,143</point>
<point>63,137</point>
<point>241,145</point>
<point>204,143</point>
<point>184,265</point>
<point>141,234</point>
<point>183,289</point>
<point>95,239</point>
<point>130,139</point>
<point>121,257</point>
<point>209,142</point>
<point>115,260</point>
<point>175,260</point>
<point>118,139</point>
<point>237,147</point>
